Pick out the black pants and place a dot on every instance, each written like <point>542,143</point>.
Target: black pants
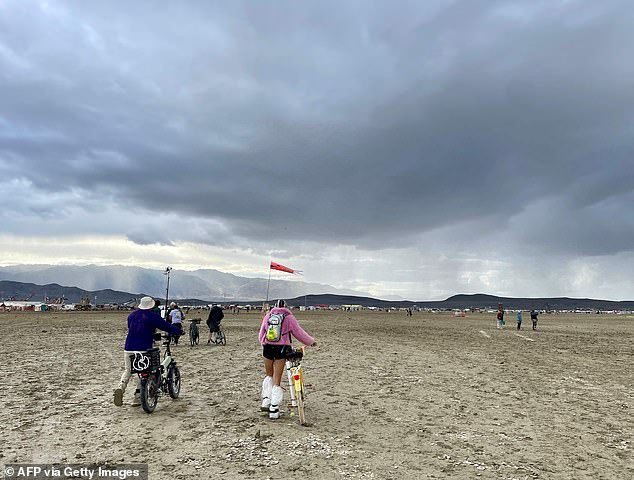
<point>174,338</point>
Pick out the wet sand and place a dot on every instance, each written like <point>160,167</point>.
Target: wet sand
<point>429,396</point>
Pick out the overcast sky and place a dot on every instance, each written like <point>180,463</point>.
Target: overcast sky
<point>409,148</point>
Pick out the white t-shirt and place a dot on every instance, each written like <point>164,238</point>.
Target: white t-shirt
<point>176,316</point>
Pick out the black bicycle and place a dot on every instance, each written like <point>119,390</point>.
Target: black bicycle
<point>156,376</point>
<point>221,339</point>
<point>194,332</point>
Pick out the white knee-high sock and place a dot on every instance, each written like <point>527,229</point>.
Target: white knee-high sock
<point>267,386</point>
<point>277,395</point>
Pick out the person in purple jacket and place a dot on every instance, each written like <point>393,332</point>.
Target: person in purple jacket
<point>275,352</point>
<point>142,323</point>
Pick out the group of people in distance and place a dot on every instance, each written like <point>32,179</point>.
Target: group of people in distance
<point>500,318</point>
<point>146,319</point>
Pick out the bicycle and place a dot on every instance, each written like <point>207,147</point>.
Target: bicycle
<point>296,384</point>
<point>220,339</point>
<point>194,333</point>
<point>156,376</point>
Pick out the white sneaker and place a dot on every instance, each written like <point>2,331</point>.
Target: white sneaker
<point>266,404</point>
<point>274,412</point>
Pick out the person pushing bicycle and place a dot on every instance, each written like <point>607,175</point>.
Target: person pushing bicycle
<point>274,350</point>
<point>142,324</point>
<point>175,317</point>
<point>213,322</point>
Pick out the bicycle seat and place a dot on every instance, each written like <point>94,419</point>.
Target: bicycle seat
<point>295,355</point>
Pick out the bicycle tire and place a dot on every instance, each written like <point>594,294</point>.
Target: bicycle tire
<point>222,339</point>
<point>150,392</point>
<point>173,381</point>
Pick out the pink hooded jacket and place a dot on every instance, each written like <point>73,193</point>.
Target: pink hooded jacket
<point>290,326</point>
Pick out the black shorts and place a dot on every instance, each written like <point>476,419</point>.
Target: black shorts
<point>214,327</point>
<point>276,352</point>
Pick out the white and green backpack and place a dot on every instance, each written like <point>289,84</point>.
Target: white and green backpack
<point>274,328</point>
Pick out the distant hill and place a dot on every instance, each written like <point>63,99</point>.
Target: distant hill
<point>37,293</point>
<point>551,303</point>
<point>477,301</point>
<point>203,283</point>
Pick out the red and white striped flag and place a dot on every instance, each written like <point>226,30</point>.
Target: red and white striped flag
<point>282,268</point>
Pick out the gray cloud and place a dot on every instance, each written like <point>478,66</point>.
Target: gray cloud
<point>371,126</point>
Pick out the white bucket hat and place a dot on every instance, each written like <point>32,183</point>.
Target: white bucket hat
<point>146,303</point>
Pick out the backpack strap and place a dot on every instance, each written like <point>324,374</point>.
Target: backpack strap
<point>288,332</point>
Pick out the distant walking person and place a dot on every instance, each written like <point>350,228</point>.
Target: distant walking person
<point>500,319</point>
<point>176,317</point>
<point>534,314</point>
<point>213,322</point>
<point>519,319</point>
<point>157,308</point>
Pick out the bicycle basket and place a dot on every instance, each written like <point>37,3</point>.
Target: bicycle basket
<point>145,361</point>
<point>294,355</point>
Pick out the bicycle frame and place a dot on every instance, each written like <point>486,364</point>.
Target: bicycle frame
<point>295,380</point>
<point>167,360</point>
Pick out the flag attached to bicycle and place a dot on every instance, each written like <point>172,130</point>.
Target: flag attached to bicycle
<point>282,268</point>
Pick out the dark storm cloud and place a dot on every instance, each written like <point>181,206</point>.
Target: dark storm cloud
<point>353,123</point>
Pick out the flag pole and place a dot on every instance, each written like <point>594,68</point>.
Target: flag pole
<point>268,283</point>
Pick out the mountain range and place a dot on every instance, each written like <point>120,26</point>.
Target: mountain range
<point>37,293</point>
<point>205,284</point>
<point>475,301</point>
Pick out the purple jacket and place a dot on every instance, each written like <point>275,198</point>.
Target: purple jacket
<point>141,327</point>
<point>290,326</point>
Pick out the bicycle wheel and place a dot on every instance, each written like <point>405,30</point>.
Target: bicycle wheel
<point>222,340</point>
<point>173,381</point>
<point>150,392</point>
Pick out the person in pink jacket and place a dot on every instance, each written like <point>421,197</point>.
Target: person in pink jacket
<point>275,352</point>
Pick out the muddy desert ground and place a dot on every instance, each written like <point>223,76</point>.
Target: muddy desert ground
<point>390,397</point>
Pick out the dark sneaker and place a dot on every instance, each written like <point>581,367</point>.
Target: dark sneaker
<point>118,397</point>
